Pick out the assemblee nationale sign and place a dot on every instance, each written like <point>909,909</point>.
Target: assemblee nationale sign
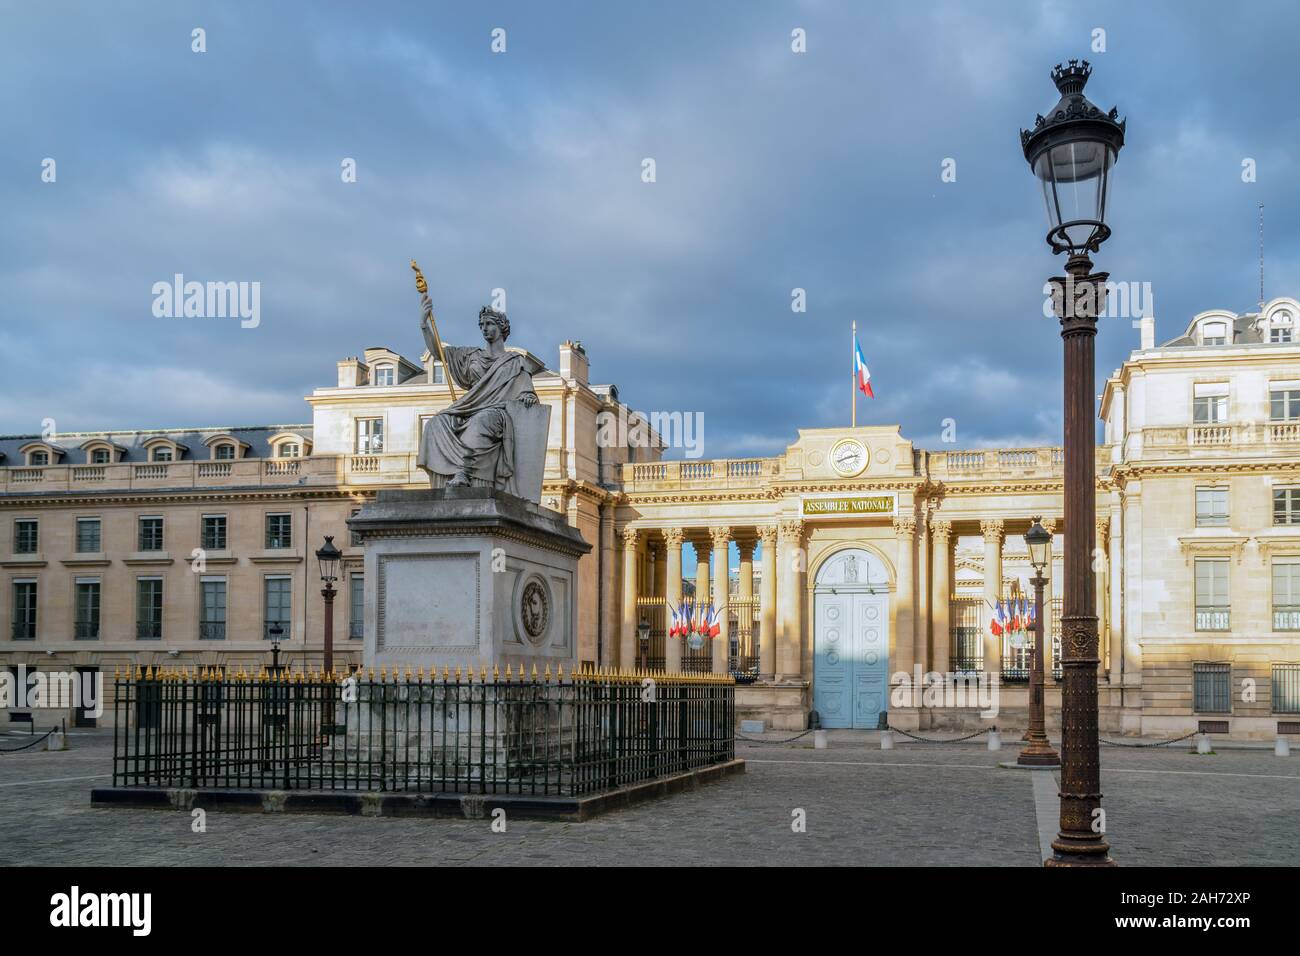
<point>859,505</point>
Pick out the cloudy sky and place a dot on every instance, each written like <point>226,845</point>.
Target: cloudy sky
<point>522,170</point>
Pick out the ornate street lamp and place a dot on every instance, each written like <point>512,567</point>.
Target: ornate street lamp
<point>277,633</point>
<point>328,557</point>
<point>1039,753</point>
<point>1072,150</point>
<point>643,634</point>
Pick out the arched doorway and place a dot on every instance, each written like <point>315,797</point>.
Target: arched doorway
<point>851,640</point>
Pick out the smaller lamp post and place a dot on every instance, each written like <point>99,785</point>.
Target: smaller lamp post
<point>277,633</point>
<point>643,633</point>
<point>328,557</point>
<point>1039,753</point>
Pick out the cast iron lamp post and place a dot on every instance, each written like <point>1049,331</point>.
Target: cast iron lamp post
<point>1071,151</point>
<point>643,634</point>
<point>328,557</point>
<point>1039,753</point>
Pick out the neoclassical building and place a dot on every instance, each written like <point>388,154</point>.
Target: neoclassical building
<point>852,557</point>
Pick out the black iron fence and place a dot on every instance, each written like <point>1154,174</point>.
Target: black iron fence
<point>567,734</point>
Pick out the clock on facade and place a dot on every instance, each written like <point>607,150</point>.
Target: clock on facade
<point>848,457</point>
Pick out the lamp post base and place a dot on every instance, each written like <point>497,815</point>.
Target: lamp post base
<point>1068,851</point>
<point>1037,757</point>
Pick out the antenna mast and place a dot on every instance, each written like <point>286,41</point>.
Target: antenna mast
<point>1261,257</point>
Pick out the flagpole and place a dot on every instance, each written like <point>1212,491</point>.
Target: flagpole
<point>853,381</point>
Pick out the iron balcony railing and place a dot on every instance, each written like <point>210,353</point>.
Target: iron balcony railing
<point>1212,618</point>
<point>356,630</point>
<point>1286,617</point>
<point>86,630</point>
<point>148,630</point>
<point>1286,688</point>
<point>24,630</point>
<point>212,630</point>
<point>563,734</point>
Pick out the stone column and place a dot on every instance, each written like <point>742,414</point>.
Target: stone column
<point>1099,565</point>
<point>720,538</point>
<point>903,653</point>
<point>941,594</point>
<point>1116,568</point>
<point>921,587</point>
<point>673,596</point>
<point>1049,656</point>
<point>702,548</point>
<point>660,569</point>
<point>790,605</point>
<point>993,535</point>
<point>746,619</point>
<point>627,634</point>
<point>767,604</point>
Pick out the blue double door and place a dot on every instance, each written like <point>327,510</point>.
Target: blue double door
<point>851,660</point>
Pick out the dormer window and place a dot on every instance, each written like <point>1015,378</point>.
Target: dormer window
<point>1214,333</point>
<point>38,459</point>
<point>161,453</point>
<point>99,456</point>
<point>223,453</point>
<point>439,374</point>
<point>1280,328</point>
<point>385,375</point>
<point>288,449</point>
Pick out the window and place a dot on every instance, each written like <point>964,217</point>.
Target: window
<point>1286,594</point>
<point>357,607</point>
<point>214,533</point>
<point>1212,602</point>
<point>279,531</point>
<point>99,456</point>
<point>278,605</point>
<point>26,536</point>
<point>160,453</point>
<point>1286,506</point>
<point>1280,328</point>
<point>1214,333</point>
<point>353,537</point>
<point>1286,688</point>
<point>212,609</point>
<point>224,452</point>
<point>151,534</point>
<point>87,621</point>
<point>24,611</point>
<point>1284,404</point>
<point>1211,690</point>
<point>385,375</point>
<point>38,458</point>
<point>288,449</point>
<point>439,374</point>
<point>148,609</point>
<point>1211,507</point>
<point>1210,409</point>
<point>370,436</point>
<point>88,537</point>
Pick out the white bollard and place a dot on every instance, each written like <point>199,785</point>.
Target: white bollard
<point>995,740</point>
<point>1282,747</point>
<point>819,740</point>
<point>1203,743</point>
<point>886,740</point>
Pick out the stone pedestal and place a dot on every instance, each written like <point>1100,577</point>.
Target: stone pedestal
<point>468,576</point>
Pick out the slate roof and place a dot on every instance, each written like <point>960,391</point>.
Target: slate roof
<point>256,436</point>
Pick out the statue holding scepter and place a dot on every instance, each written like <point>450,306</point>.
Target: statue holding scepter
<point>472,440</point>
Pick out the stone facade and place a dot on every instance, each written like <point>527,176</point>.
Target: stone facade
<point>1205,421</point>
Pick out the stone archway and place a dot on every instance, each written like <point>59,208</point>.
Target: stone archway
<point>851,640</point>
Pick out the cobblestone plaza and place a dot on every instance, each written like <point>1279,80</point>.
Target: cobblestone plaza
<point>920,804</point>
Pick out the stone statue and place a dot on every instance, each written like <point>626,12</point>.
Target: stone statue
<point>494,435</point>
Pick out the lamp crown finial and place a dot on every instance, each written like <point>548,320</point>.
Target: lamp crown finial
<point>1072,76</point>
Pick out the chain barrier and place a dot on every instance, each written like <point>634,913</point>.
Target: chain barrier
<point>758,740</point>
<point>1158,743</point>
<point>30,743</point>
<point>934,740</point>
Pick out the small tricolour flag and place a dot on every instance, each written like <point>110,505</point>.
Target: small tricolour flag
<point>860,371</point>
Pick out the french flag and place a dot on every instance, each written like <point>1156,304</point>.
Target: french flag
<point>715,621</point>
<point>996,624</point>
<point>860,371</point>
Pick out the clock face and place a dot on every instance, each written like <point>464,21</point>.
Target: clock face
<point>848,457</point>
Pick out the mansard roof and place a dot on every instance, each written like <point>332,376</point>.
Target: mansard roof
<point>133,443</point>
